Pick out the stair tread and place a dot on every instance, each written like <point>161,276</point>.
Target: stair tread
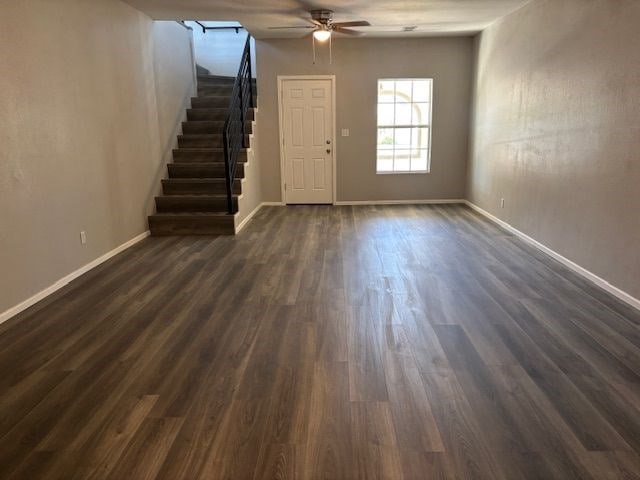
<point>223,97</point>
<point>203,122</point>
<point>209,123</point>
<point>197,195</point>
<point>196,180</point>
<point>198,164</point>
<point>200,135</point>
<point>198,149</point>
<point>192,214</point>
<point>203,149</point>
<point>224,109</point>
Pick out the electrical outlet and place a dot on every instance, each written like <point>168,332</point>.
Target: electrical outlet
<point>502,203</point>
<point>345,132</point>
<point>83,237</point>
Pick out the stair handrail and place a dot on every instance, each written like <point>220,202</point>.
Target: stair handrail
<point>234,136</point>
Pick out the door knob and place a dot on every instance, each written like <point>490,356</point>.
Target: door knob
<point>328,142</point>
<point>328,150</point>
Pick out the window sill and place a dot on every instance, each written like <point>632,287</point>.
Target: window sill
<point>417,172</point>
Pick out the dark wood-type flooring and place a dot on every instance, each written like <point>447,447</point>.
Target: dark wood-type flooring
<point>417,342</point>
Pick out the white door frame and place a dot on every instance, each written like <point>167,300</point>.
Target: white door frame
<point>281,80</point>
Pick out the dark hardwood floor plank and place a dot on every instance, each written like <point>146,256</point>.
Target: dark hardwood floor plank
<point>375,447</point>
<point>146,451</point>
<point>327,452</point>
<point>415,426</point>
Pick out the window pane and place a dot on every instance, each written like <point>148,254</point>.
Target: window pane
<point>419,159</point>
<point>420,114</point>
<point>386,91</point>
<point>402,161</point>
<point>403,91</point>
<point>403,138</point>
<point>385,114</point>
<point>421,91</point>
<point>403,114</point>
<point>385,138</point>
<point>420,137</point>
<point>385,164</point>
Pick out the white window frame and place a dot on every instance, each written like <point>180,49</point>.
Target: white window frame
<point>429,126</point>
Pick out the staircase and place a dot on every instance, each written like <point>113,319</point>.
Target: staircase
<point>194,196</point>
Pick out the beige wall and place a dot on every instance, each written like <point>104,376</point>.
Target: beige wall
<point>83,126</point>
<point>357,65</point>
<point>556,131</point>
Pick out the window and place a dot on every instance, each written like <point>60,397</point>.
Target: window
<point>404,125</point>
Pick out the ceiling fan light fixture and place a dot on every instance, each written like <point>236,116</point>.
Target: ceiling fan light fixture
<point>322,35</point>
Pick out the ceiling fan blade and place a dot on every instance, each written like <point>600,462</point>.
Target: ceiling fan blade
<point>312,21</point>
<point>359,23</point>
<point>297,26</point>
<point>347,31</point>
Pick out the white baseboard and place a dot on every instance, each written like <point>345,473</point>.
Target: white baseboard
<point>400,202</point>
<point>246,220</point>
<point>4,316</point>
<point>592,277</point>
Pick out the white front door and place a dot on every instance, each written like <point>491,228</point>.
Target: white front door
<point>307,124</point>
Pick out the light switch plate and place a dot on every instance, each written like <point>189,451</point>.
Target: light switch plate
<point>345,132</point>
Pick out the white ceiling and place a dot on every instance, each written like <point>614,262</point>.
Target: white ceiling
<point>387,17</point>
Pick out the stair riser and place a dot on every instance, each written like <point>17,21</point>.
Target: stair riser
<point>213,100</point>
<point>210,102</point>
<point>186,188</point>
<point>212,141</point>
<point>221,84</point>
<point>226,81</point>
<point>213,89</point>
<point>190,156</point>
<point>191,128</point>
<point>177,204</point>
<point>217,80</point>
<point>217,114</point>
<point>191,226</point>
<point>189,171</point>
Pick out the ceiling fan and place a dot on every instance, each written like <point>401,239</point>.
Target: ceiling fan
<point>323,25</point>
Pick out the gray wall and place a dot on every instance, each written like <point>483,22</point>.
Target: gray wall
<point>556,131</point>
<point>358,64</point>
<point>88,94</point>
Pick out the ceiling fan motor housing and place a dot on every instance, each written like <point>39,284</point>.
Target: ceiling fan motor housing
<point>323,16</point>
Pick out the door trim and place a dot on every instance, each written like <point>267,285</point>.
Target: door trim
<point>281,80</point>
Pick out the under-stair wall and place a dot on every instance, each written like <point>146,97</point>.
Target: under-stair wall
<point>251,199</point>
